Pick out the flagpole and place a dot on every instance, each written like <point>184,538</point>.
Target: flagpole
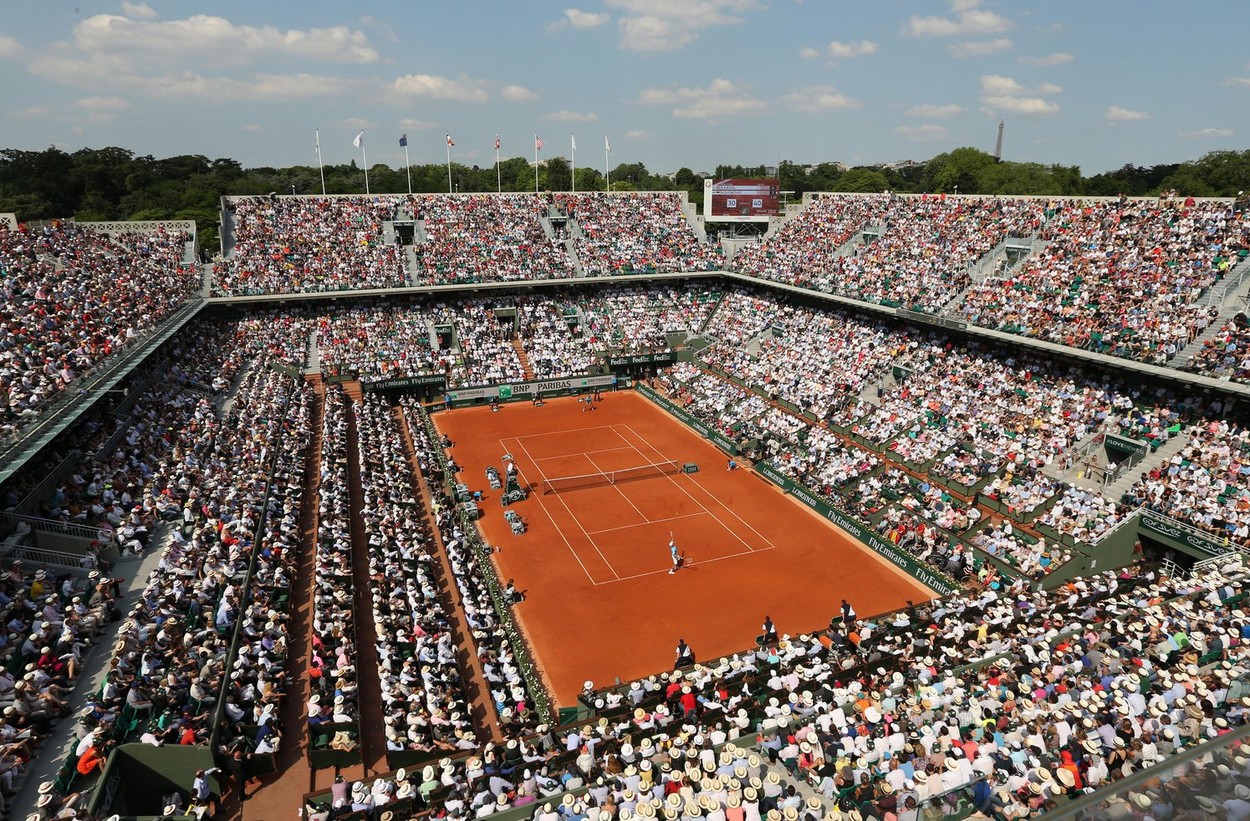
<point>498,177</point>
<point>407,165</point>
<point>364,158</point>
<point>320,167</point>
<point>573,156</point>
<point>607,149</point>
<point>449,162</point>
<point>535,165</point>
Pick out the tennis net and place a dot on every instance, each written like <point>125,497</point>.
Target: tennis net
<point>557,484</point>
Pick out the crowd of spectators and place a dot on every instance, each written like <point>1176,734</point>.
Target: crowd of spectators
<point>1225,355</point>
<point>1205,484</point>
<point>551,344</point>
<point>1122,277</point>
<point>810,240</point>
<point>918,258</point>
<point>635,233</point>
<point>510,695</point>
<point>301,244</point>
<point>69,297</point>
<point>1082,514</point>
<point>1057,693</point>
<point>724,406</point>
<point>486,238</point>
<point>423,693</point>
<point>1029,556</point>
<point>638,319</point>
<point>333,705</point>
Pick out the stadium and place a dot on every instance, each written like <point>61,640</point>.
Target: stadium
<point>823,491</point>
<point>862,516</point>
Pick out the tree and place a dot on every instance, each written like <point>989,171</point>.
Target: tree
<point>862,180</point>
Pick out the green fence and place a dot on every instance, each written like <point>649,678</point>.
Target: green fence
<point>543,702</point>
<point>935,581</point>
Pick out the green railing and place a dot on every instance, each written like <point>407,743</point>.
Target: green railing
<point>543,700</point>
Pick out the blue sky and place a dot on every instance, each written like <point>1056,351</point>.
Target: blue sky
<point>671,83</point>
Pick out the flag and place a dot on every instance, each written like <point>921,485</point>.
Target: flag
<point>360,139</point>
<point>607,146</point>
<point>574,139</point>
<point>496,142</point>
<point>403,140</point>
<point>449,140</point>
<point>538,143</point>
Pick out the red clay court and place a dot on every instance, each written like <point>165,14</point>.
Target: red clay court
<point>594,565</point>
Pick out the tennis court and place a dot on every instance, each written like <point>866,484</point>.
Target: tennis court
<point>617,499</point>
<point>606,492</point>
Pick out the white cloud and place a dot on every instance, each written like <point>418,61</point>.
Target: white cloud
<point>1021,105</point>
<point>218,39</point>
<point>9,47</point>
<point>138,11</point>
<point>1004,95</point>
<point>1228,81</point>
<point>809,53</point>
<point>566,116</point>
<point>517,94</point>
<point>668,25</point>
<point>32,112</point>
<point>815,99</point>
<point>1059,58</point>
<point>252,127</point>
<point>1116,114</point>
<point>922,133</point>
<point>969,20</point>
<point>102,109</point>
<point>433,87</point>
<point>578,19</point>
<point>1207,133</point>
<point>356,123</point>
<point>721,100</point>
<point>998,84</point>
<point>416,125</point>
<point>857,48</point>
<point>928,110</point>
<point>638,134</point>
<point>979,48</point>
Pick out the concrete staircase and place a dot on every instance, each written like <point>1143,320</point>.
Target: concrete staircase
<point>312,362</point>
<point>206,281</point>
<point>1217,325</point>
<point>388,232</point>
<point>573,258</point>
<point>523,357</point>
<point>410,262</point>
<point>1165,452</point>
<point>691,213</point>
<point>547,227</point>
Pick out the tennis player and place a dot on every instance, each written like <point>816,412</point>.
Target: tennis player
<point>672,549</point>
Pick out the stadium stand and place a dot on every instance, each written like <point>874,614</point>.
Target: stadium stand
<point>1013,696</point>
<point>635,233</point>
<point>486,238</point>
<point>302,244</point>
<point>71,296</point>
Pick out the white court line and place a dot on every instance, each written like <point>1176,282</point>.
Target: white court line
<point>629,501</point>
<point>693,565</point>
<point>651,522</point>
<point>567,543</point>
<point>570,512</point>
<point>707,492</point>
<point>678,485</point>
<point>583,452</point>
<point>559,432</point>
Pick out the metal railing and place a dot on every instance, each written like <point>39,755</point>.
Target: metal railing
<point>543,700</point>
<point>92,384</point>
<point>55,526</point>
